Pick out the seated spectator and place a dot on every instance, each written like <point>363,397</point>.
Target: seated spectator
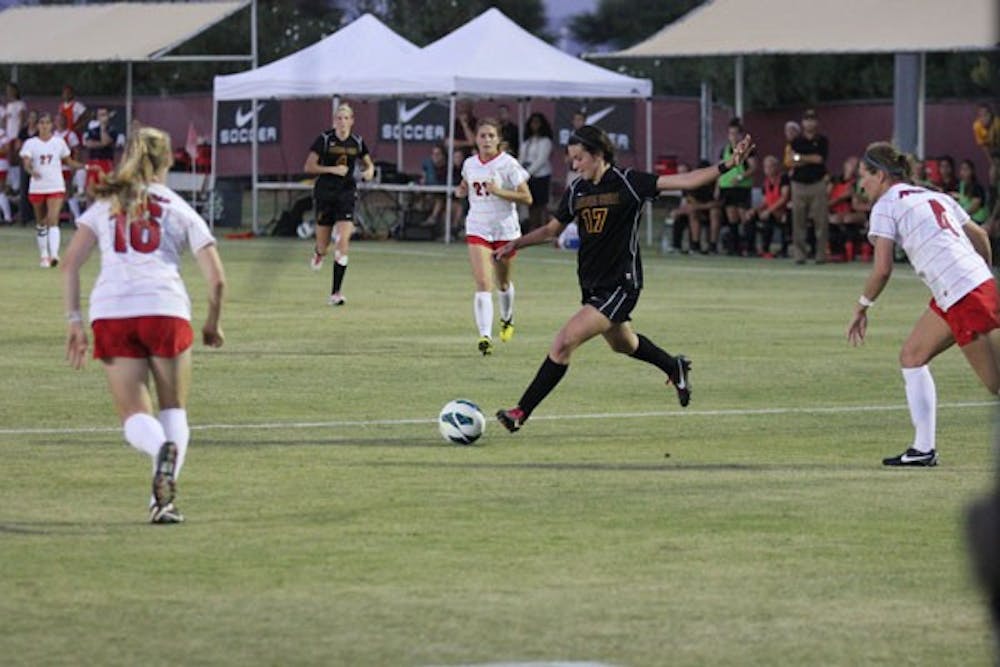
<point>986,130</point>
<point>71,109</point>
<point>772,212</point>
<point>792,131</point>
<point>99,140</point>
<point>971,196</point>
<point>5,146</point>
<point>918,169</point>
<point>68,135</point>
<point>846,224</point>
<point>946,170</point>
<point>693,213</point>
<point>509,140</point>
<point>435,172</point>
<point>736,195</point>
<point>536,158</point>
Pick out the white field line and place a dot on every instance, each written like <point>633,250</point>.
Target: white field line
<point>365,423</point>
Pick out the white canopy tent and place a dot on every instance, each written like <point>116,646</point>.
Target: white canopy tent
<point>351,61</point>
<point>908,28</point>
<point>462,63</point>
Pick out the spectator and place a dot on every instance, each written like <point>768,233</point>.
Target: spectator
<point>579,118</point>
<point>509,140</point>
<point>810,151</point>
<point>536,158</point>
<point>5,144</point>
<point>15,111</point>
<point>773,210</point>
<point>72,109</point>
<point>920,177</point>
<point>72,140</point>
<point>694,212</point>
<point>99,140</point>
<point>735,194</point>
<point>846,223</point>
<point>792,131</point>
<point>25,210</point>
<point>986,130</point>
<point>971,195</point>
<point>465,129</point>
<point>435,168</point>
<point>946,169</point>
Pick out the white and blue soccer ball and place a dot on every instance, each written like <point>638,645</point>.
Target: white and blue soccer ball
<point>461,422</point>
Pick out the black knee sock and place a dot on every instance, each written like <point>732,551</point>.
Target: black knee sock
<point>548,376</point>
<point>338,276</point>
<point>651,354</point>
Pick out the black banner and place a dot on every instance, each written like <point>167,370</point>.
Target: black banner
<point>616,117</point>
<point>236,122</point>
<point>423,121</point>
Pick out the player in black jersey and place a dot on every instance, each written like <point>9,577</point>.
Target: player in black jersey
<point>606,203</point>
<point>332,158</point>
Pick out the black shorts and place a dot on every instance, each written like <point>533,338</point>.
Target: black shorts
<point>331,208</point>
<point>539,187</point>
<point>738,197</point>
<point>615,303</point>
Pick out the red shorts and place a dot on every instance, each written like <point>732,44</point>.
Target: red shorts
<point>39,197</point>
<point>141,337</point>
<point>492,245</point>
<point>94,176</point>
<point>978,312</point>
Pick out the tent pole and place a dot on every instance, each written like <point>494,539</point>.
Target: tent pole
<point>128,98</point>
<point>520,123</point>
<point>921,103</point>
<point>215,136</point>
<point>649,166</point>
<point>399,136</point>
<point>738,86</point>
<point>254,155</point>
<point>705,147</point>
<point>451,167</point>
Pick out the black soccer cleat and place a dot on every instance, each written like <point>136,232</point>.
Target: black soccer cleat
<point>913,457</point>
<point>681,379</point>
<point>512,419</point>
<point>165,515</point>
<point>164,487</point>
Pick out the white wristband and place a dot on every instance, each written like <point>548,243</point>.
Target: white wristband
<point>865,301</point>
<point>74,316</point>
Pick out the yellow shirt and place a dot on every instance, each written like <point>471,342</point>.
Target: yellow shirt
<point>987,137</point>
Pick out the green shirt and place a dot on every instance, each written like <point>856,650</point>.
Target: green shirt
<point>735,177</point>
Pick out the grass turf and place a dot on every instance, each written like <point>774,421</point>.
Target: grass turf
<point>328,524</point>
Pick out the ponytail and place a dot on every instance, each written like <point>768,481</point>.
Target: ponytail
<point>146,155</point>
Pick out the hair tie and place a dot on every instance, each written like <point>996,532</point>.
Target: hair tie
<point>878,166</point>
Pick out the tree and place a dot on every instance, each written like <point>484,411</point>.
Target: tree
<point>622,23</point>
<point>424,21</point>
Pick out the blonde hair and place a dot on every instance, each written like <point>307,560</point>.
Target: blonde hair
<point>148,153</point>
<point>344,107</point>
<point>883,156</point>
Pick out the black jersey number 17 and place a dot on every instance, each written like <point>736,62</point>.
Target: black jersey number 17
<point>593,219</point>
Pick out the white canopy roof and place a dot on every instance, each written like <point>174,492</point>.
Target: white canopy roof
<point>734,27</point>
<point>351,61</point>
<point>122,32</point>
<point>492,55</point>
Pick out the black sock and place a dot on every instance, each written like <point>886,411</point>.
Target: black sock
<point>651,354</point>
<point>338,276</point>
<point>548,376</point>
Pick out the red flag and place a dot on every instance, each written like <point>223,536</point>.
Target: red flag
<point>191,146</point>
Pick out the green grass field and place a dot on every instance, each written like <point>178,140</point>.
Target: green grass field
<point>328,523</point>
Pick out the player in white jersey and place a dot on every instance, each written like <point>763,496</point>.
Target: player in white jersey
<point>951,254</point>
<point>42,158</point>
<point>139,309</point>
<point>494,183</point>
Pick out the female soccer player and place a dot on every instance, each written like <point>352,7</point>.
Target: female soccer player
<point>139,309</point>
<point>951,255</point>
<point>494,183</point>
<point>42,158</point>
<point>606,202</point>
<point>332,158</point>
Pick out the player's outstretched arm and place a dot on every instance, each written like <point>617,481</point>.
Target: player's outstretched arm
<point>79,249</point>
<point>695,179</point>
<point>211,268</point>
<point>546,232</point>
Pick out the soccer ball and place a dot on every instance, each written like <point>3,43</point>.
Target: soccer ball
<point>461,422</point>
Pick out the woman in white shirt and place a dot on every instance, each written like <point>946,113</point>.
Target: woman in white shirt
<point>42,158</point>
<point>951,254</point>
<point>536,153</point>
<point>140,311</point>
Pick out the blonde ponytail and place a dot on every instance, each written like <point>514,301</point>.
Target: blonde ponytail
<point>148,152</point>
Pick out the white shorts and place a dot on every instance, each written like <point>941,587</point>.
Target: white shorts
<point>506,229</point>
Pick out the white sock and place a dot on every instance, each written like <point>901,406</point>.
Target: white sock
<point>507,303</point>
<point>921,396</point>
<point>55,238</point>
<point>5,207</point>
<point>144,433</point>
<point>483,309</point>
<point>74,207</point>
<point>42,238</point>
<point>175,427</point>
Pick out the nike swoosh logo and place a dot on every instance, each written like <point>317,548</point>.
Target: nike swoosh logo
<point>906,458</point>
<point>595,118</point>
<point>242,118</point>
<point>681,381</point>
<point>406,115</point>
